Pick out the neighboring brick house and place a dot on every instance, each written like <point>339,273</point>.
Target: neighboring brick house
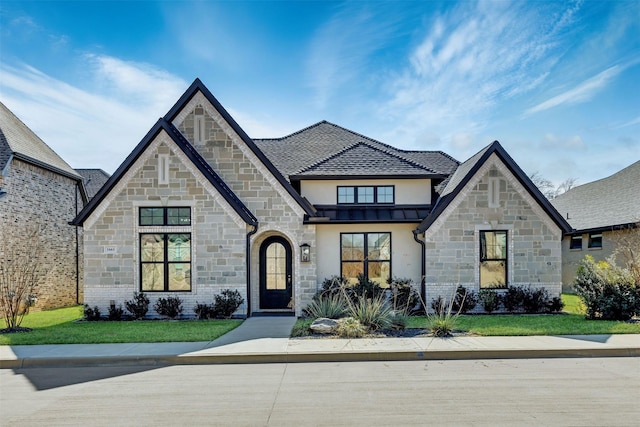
<point>198,207</point>
<point>40,191</point>
<point>598,212</point>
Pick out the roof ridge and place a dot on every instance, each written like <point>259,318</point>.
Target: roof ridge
<point>330,157</point>
<point>280,138</point>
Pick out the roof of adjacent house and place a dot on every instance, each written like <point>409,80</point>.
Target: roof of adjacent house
<point>93,180</point>
<point>323,149</point>
<point>605,203</point>
<point>17,140</point>
<point>468,169</point>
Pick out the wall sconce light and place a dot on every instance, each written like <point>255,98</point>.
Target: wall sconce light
<point>305,252</point>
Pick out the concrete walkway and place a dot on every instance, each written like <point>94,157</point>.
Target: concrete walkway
<point>265,340</point>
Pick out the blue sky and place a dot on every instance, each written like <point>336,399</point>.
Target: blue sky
<point>557,83</point>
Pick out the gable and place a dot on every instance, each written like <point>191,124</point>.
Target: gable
<point>468,174</point>
<point>163,131</point>
<point>226,146</point>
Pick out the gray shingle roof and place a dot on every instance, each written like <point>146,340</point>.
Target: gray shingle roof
<point>303,149</point>
<point>17,139</point>
<point>610,201</point>
<point>93,180</point>
<point>363,159</point>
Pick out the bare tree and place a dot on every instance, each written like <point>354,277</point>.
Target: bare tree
<point>20,273</point>
<point>547,187</point>
<point>627,248</point>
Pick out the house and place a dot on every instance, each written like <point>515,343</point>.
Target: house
<point>601,213</point>
<point>40,193</point>
<point>199,206</point>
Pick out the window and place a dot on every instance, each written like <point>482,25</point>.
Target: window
<point>165,262</point>
<point>165,216</point>
<point>494,192</point>
<point>163,169</point>
<point>576,242</point>
<point>493,259</point>
<point>368,254</point>
<point>595,240</point>
<point>366,194</point>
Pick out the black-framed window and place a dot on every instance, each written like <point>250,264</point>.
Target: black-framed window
<point>595,240</point>
<point>493,259</point>
<point>366,253</point>
<point>174,216</point>
<point>576,242</point>
<point>366,194</point>
<point>165,262</point>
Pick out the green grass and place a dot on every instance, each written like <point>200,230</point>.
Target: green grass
<point>571,322</point>
<point>60,326</point>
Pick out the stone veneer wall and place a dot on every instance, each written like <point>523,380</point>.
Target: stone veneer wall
<point>452,242</point>
<point>112,234</point>
<point>38,199</point>
<point>277,212</point>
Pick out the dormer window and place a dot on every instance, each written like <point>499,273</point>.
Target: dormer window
<point>369,194</point>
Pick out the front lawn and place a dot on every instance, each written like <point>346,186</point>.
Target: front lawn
<point>60,326</point>
<point>571,322</point>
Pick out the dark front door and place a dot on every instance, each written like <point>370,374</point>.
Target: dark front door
<point>275,273</point>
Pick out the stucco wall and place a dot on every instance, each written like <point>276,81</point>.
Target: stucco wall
<point>405,251</point>
<point>452,242</point>
<point>571,257</point>
<point>407,191</point>
<point>38,199</point>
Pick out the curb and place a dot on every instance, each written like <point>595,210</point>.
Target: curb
<point>249,358</point>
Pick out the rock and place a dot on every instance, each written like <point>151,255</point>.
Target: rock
<point>323,325</point>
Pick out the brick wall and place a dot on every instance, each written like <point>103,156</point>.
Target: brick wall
<point>38,199</point>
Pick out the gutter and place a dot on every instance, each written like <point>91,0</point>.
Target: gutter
<point>423,267</point>
<point>248,265</point>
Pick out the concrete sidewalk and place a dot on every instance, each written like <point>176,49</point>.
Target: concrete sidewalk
<point>265,340</point>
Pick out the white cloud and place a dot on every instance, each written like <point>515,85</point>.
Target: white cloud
<point>581,93</point>
<point>474,59</point>
<point>96,127</point>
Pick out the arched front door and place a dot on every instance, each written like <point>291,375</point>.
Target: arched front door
<point>275,273</point>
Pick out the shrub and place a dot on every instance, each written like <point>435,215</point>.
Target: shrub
<point>464,300</point>
<point>349,327</point>
<point>138,306</point>
<point>366,288</point>
<point>443,320</point>
<point>204,311</point>
<point>535,300</point>
<point>169,307</point>
<point>489,299</point>
<point>333,285</point>
<point>437,303</point>
<point>332,306</point>
<point>374,313</point>
<point>227,302</point>
<point>403,296</point>
<point>609,292</point>
<point>337,285</point>
<point>91,313</point>
<point>115,313</point>
<point>399,320</point>
<point>555,305</point>
<point>512,299</point>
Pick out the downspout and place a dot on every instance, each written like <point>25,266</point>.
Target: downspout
<point>248,265</point>
<point>77,254</point>
<point>423,268</point>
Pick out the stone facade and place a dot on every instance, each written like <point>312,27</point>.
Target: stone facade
<point>453,241</point>
<point>42,201</point>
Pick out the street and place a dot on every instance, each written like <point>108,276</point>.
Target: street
<point>577,392</point>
